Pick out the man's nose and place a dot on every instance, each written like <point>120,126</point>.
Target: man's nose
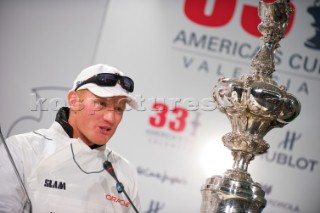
<point>109,115</point>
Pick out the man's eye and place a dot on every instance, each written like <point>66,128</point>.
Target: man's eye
<point>119,109</point>
<point>98,105</point>
<point>102,103</point>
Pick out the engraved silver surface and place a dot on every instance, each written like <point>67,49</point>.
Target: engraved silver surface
<point>254,104</point>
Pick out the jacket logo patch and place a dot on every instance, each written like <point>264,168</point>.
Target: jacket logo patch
<point>117,200</point>
<point>54,184</point>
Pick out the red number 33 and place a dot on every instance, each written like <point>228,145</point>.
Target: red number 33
<point>160,119</point>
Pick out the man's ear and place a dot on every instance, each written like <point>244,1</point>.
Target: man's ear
<point>74,101</point>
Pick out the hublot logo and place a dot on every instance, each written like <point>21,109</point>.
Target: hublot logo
<point>286,157</point>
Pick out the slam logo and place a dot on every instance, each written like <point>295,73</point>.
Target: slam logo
<point>314,11</point>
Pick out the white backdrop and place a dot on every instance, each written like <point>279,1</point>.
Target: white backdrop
<point>175,52</point>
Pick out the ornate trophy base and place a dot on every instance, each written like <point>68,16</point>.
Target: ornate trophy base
<point>234,192</point>
<point>227,195</point>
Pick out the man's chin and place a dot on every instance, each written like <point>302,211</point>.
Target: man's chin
<point>102,142</point>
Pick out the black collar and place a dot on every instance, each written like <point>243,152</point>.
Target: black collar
<point>62,118</point>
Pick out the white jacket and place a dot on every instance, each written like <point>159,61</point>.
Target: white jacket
<point>62,174</point>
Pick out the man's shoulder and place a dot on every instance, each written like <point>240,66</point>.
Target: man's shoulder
<point>36,144</point>
<point>123,167</point>
<point>119,160</point>
<point>37,138</point>
<point>35,135</point>
<point>115,157</point>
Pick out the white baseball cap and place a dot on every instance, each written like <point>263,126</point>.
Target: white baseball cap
<point>103,91</point>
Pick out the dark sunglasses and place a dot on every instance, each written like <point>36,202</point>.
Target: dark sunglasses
<point>109,80</point>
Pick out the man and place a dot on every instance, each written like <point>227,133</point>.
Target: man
<point>63,168</point>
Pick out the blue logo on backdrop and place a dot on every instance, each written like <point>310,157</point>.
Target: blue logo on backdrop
<point>285,156</point>
<point>314,42</point>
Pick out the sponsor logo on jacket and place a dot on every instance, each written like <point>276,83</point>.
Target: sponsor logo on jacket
<point>54,184</point>
<point>117,200</point>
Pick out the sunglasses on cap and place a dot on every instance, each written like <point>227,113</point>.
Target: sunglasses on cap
<point>109,80</point>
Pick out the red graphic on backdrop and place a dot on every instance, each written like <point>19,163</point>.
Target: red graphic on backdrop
<point>222,13</point>
<point>160,119</point>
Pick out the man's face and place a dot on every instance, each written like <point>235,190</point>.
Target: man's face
<point>97,119</point>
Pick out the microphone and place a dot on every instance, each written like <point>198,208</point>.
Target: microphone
<point>15,170</point>
<point>120,188</point>
<point>108,166</point>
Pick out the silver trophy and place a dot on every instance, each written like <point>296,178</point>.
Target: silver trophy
<point>254,104</point>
